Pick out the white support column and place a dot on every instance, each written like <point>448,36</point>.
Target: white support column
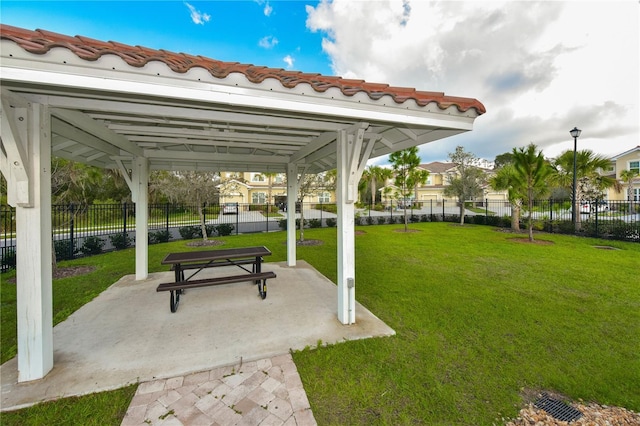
<point>26,138</point>
<point>292,195</point>
<point>140,195</point>
<point>350,165</point>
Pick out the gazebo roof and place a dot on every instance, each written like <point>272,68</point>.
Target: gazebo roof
<point>111,102</point>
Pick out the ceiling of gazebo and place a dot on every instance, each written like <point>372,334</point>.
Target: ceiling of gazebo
<point>110,102</point>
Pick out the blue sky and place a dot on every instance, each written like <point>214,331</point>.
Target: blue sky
<point>540,68</point>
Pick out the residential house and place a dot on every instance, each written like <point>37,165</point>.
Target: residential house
<point>628,160</point>
<point>259,188</point>
<point>433,189</point>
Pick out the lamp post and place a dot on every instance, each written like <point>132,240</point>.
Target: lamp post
<point>574,133</point>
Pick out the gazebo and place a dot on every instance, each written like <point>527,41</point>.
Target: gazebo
<point>137,109</point>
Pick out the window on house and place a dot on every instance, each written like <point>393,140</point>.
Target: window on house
<point>257,178</point>
<point>278,179</point>
<point>324,197</point>
<point>259,198</point>
<point>636,194</point>
<point>634,166</point>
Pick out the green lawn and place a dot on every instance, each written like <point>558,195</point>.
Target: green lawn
<point>480,320</point>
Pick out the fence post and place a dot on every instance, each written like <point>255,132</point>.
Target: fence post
<point>124,221</point>
<point>204,213</point>
<point>443,202</point>
<point>238,218</point>
<point>166,208</point>
<point>486,210</point>
<point>71,223</point>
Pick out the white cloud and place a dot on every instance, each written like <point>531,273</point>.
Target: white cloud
<point>540,68</point>
<point>267,9</point>
<point>196,16</point>
<point>268,42</point>
<point>289,60</point>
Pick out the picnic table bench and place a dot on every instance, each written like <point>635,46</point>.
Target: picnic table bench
<point>199,260</point>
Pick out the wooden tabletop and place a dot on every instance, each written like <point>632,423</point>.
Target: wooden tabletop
<point>208,255</point>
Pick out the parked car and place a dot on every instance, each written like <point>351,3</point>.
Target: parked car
<point>592,206</point>
<point>230,208</point>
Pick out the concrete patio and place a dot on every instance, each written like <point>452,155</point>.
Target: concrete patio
<point>128,334</point>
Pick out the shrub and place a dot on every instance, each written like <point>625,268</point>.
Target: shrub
<point>331,208</point>
<point>162,236</point>
<point>331,222</point>
<point>224,229</point>
<point>190,232</point>
<point>315,223</point>
<point>65,249</point>
<point>92,245</point>
<point>121,241</point>
<point>370,220</point>
<point>414,218</point>
<point>8,259</point>
<point>382,220</point>
<point>282,223</point>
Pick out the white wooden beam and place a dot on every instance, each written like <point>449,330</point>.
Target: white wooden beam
<point>292,195</point>
<point>204,156</point>
<point>346,237</point>
<point>14,136</point>
<point>33,264</point>
<point>127,177</point>
<point>140,180</point>
<point>93,127</point>
<point>318,143</point>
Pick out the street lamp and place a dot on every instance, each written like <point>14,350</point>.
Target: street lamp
<point>575,133</point>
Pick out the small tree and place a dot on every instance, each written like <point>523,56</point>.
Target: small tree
<point>628,177</point>
<point>194,187</point>
<point>311,184</point>
<point>468,182</point>
<point>505,179</point>
<point>405,165</point>
<point>590,184</point>
<point>531,172</point>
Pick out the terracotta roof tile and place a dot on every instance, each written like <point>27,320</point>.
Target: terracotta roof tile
<point>41,41</point>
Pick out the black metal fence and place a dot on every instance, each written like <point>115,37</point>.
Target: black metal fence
<point>87,230</point>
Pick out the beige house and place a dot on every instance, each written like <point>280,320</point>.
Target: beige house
<point>433,189</point>
<point>259,188</point>
<point>628,160</point>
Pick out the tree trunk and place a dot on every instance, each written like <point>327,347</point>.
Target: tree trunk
<point>462,212</point>
<point>406,218</point>
<point>54,261</point>
<point>301,221</point>
<point>203,226</point>
<point>515,217</point>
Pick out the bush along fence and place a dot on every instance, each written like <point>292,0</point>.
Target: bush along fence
<point>87,230</point>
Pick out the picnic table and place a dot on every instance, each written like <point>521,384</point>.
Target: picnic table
<point>196,261</point>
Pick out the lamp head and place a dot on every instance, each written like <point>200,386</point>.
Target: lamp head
<point>575,132</point>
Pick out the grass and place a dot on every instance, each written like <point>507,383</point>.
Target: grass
<point>480,319</point>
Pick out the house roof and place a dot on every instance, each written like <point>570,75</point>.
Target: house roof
<point>635,149</point>
<point>111,102</point>
<point>438,167</point>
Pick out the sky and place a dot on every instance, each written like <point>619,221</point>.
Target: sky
<point>540,68</point>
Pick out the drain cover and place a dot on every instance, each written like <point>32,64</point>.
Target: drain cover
<point>557,409</point>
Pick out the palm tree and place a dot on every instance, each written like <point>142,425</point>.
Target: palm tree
<point>531,171</point>
<point>590,183</point>
<point>405,165</point>
<point>505,179</point>
<point>374,175</point>
<point>628,177</point>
